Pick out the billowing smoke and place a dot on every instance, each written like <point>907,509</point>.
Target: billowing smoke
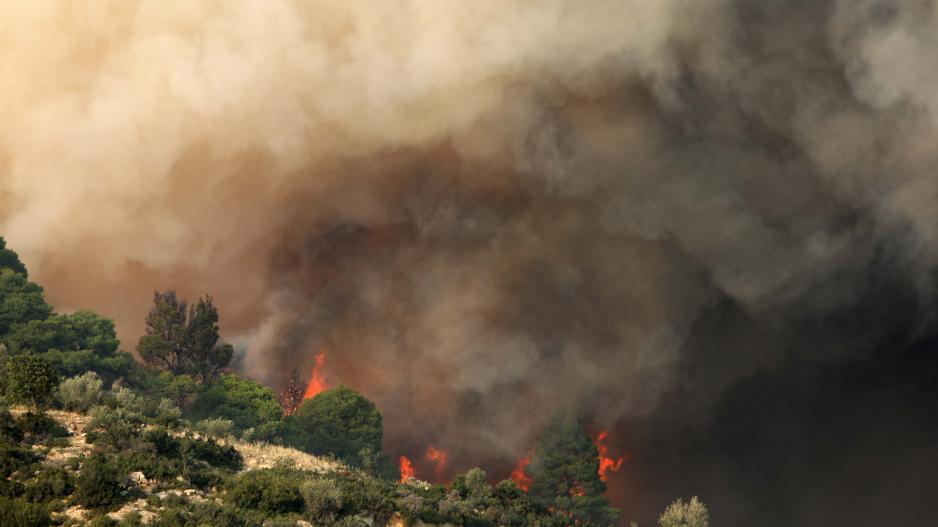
<point>486,211</point>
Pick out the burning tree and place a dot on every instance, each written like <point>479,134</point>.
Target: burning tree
<point>565,474</point>
<point>292,396</point>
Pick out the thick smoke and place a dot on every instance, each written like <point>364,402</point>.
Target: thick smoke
<point>486,211</point>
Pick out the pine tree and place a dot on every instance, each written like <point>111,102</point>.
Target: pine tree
<point>292,396</point>
<point>184,339</point>
<point>11,260</point>
<point>565,474</point>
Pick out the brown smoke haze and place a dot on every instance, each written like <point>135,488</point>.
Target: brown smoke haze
<point>484,210</point>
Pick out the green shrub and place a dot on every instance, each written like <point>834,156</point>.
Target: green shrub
<point>339,421</point>
<point>16,459</point>
<point>272,491</point>
<point>99,484</point>
<point>215,427</point>
<point>185,514</point>
<point>278,433</point>
<point>363,494</point>
<point>20,513</point>
<point>127,399</point>
<point>221,456</point>
<point>168,414</point>
<point>323,499</point>
<point>164,444</point>
<point>31,380</point>
<point>691,514</point>
<point>112,427</point>
<point>80,393</point>
<point>51,483</point>
<point>9,428</point>
<point>73,344</point>
<point>103,521</point>
<point>11,488</point>
<point>40,428</point>
<point>246,403</point>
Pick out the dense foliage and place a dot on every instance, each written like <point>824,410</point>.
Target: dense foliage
<point>21,301</point>
<point>565,474</point>
<point>31,380</point>
<point>690,514</point>
<point>183,339</point>
<point>74,344</point>
<point>339,421</point>
<point>11,260</point>
<point>139,424</point>
<point>246,403</point>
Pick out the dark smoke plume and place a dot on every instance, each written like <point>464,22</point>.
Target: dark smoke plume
<point>710,226</point>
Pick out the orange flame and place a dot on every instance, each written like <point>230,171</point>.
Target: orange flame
<point>606,463</point>
<point>439,456</point>
<point>519,476</point>
<point>407,469</point>
<point>317,381</point>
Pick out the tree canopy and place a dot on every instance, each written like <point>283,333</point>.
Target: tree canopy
<point>565,473</point>
<point>11,260</point>
<point>74,344</point>
<point>20,301</point>
<point>184,338</point>
<point>339,421</point>
<point>248,404</point>
<point>31,380</point>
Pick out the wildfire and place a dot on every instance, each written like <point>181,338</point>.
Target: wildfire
<point>317,381</point>
<point>519,476</point>
<point>606,463</point>
<point>438,456</point>
<point>407,469</point>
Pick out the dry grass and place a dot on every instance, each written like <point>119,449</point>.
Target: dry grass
<point>256,455</point>
<point>265,455</point>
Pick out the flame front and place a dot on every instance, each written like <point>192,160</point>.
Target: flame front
<point>438,456</point>
<point>317,381</point>
<point>519,476</point>
<point>606,463</point>
<point>407,469</point>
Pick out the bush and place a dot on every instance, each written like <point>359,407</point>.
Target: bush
<point>16,459</point>
<point>20,513</point>
<point>691,514</point>
<point>112,427</point>
<point>126,398</point>
<point>31,380</point>
<point>40,427</point>
<point>184,514</point>
<point>367,495</point>
<point>73,344</point>
<point>99,484</point>
<point>248,404</point>
<point>339,421</point>
<point>51,483</point>
<point>80,393</point>
<point>9,428</point>
<point>168,414</point>
<point>273,491</point>
<point>221,456</point>
<point>322,498</point>
<point>216,427</point>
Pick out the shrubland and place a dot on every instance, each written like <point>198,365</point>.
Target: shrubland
<point>178,439</point>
